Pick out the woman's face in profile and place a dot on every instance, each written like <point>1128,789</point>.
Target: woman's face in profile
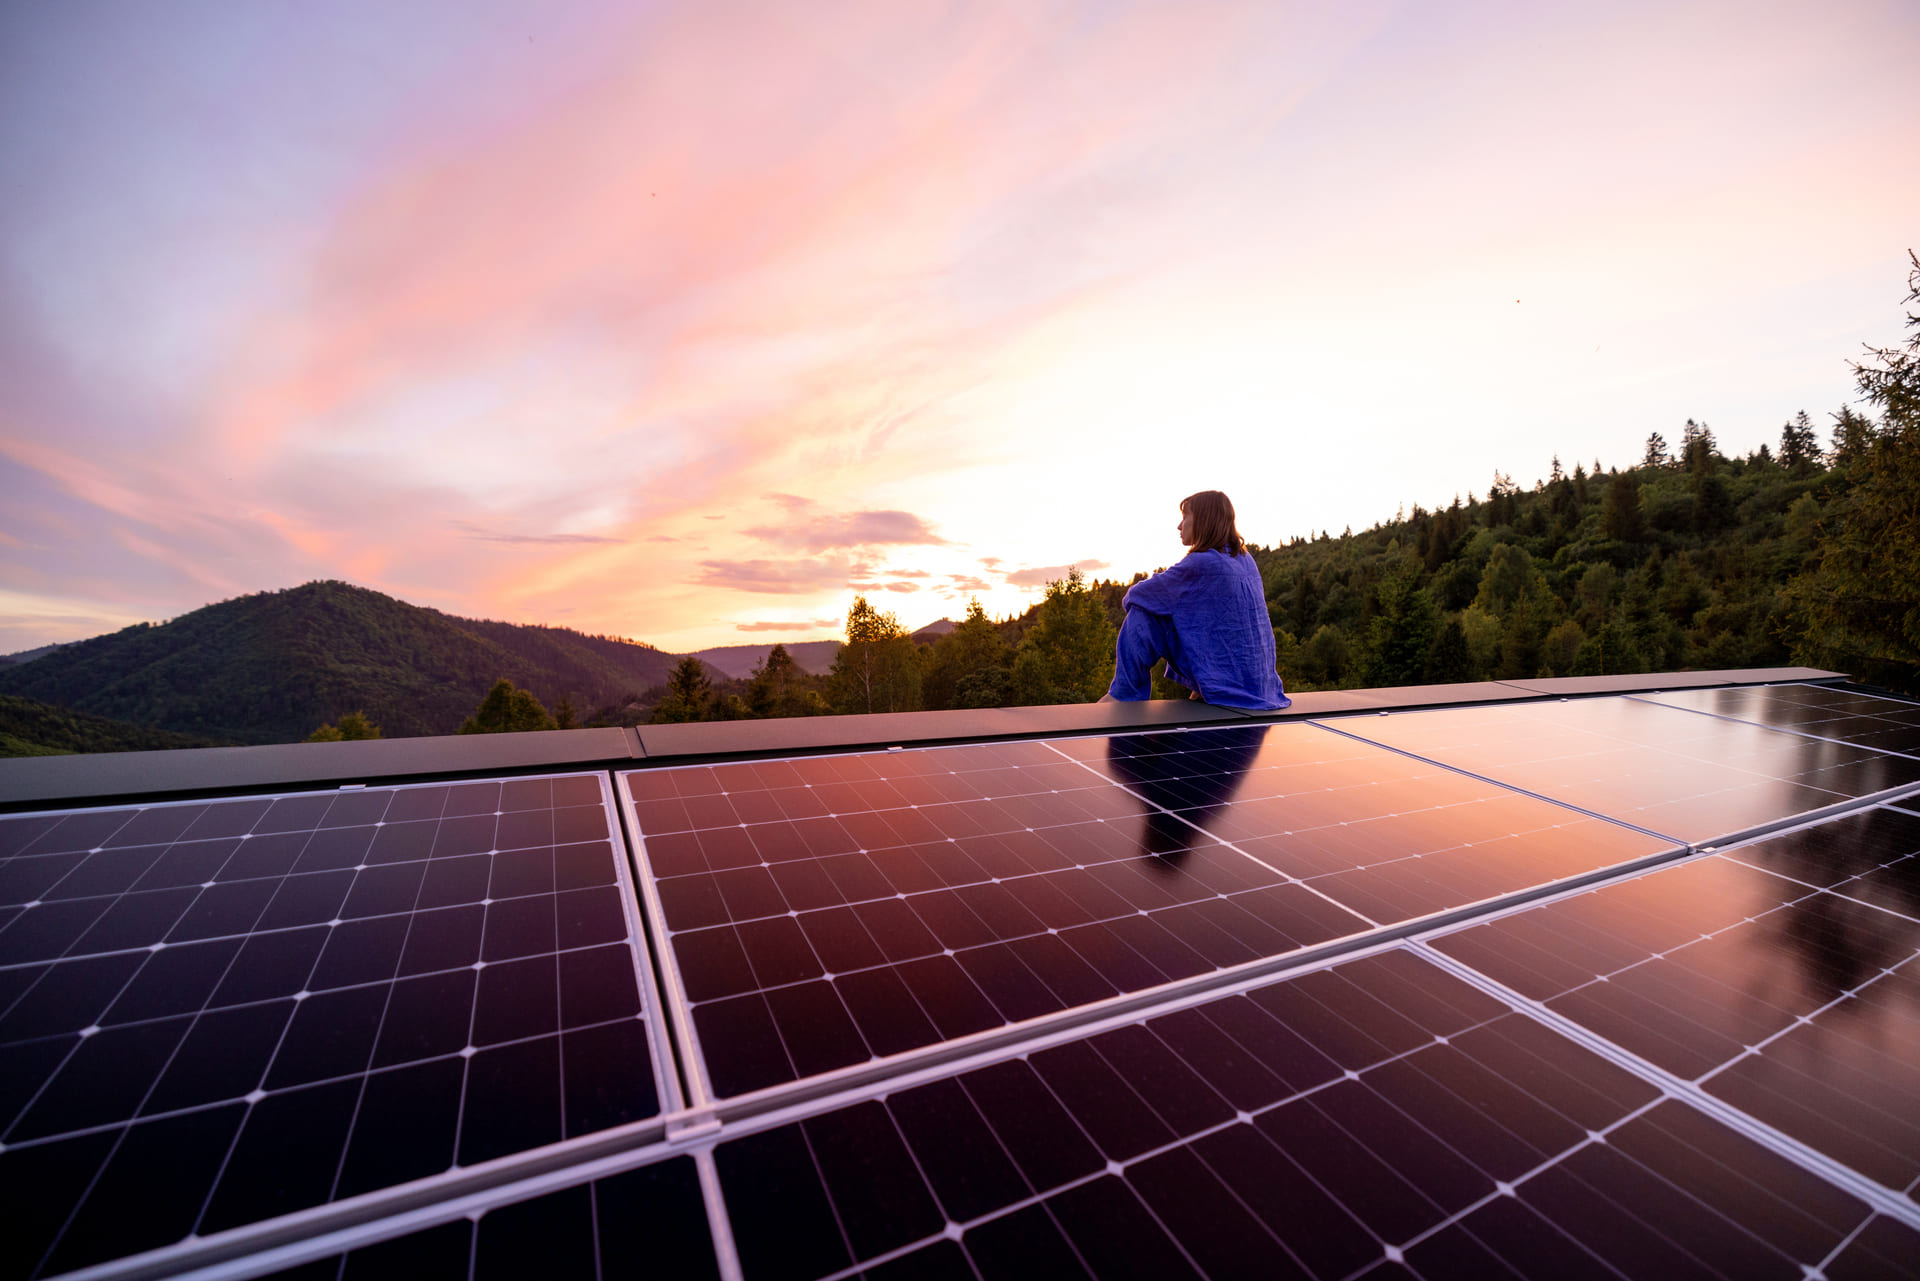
<point>1186,528</point>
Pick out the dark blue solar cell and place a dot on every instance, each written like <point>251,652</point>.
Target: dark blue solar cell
<point>597,984</point>
<point>102,1080</point>
<point>306,900</point>
<point>329,851</point>
<point>382,891</point>
<point>455,880</point>
<point>264,855</point>
<point>332,1034</point>
<point>890,1019</point>
<point>783,1224</point>
<point>22,880</point>
<point>287,1155</point>
<point>525,926</point>
<point>513,1100</point>
<point>607,1077</point>
<point>970,1172</point>
<point>579,867</point>
<point>25,1067</point>
<point>1026,1243</point>
<point>69,996</point>
<point>404,1128</point>
<point>815,1027</point>
<point>151,1190</point>
<point>516,1000</point>
<point>174,980</point>
<point>224,910</point>
<point>188,863</point>
<point>446,939</point>
<point>522,871</point>
<point>224,1056</point>
<point>364,951</point>
<point>272,965</point>
<point>426,1017</point>
<point>1113,1232</point>
<point>43,1182</point>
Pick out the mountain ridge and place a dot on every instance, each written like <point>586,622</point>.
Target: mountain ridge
<point>273,666</point>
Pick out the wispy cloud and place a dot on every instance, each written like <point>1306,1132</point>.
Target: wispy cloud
<point>810,530</point>
<point>469,530</point>
<point>773,577</point>
<point>1044,574</point>
<point>774,625</point>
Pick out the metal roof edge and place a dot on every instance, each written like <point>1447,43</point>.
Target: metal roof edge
<point>1572,686</point>
<point>118,777</point>
<point>27,780</point>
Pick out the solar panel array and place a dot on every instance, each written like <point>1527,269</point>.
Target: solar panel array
<point>1622,986</point>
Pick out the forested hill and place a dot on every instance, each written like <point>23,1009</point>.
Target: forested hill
<point>1685,560</point>
<point>270,668</point>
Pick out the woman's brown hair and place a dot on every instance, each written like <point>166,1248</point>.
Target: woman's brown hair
<point>1213,527</point>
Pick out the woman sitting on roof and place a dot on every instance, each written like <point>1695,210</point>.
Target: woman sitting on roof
<point>1207,616</point>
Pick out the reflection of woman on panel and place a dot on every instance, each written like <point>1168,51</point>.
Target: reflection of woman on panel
<point>1207,616</point>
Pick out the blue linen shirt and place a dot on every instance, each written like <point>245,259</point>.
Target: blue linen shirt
<point>1218,609</point>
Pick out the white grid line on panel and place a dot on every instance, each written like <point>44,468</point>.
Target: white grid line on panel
<point>1881,1198</point>
<point>282,1239</point>
<point>1285,877</point>
<point>1494,782</point>
<point>1803,732</point>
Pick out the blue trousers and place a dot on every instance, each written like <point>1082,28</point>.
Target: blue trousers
<point>1145,639</point>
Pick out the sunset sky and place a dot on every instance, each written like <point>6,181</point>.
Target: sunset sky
<point>686,321</point>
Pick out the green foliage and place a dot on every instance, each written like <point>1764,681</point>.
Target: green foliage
<point>1067,655</point>
<point>970,665</point>
<point>689,694</point>
<point>30,728</point>
<point>1675,564</point>
<point>1799,446</point>
<point>353,727</point>
<point>878,669</point>
<point>1858,608</point>
<point>778,687</point>
<point>1402,633</point>
<point>507,710</point>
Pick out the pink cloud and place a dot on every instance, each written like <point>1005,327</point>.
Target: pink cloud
<point>777,626</point>
<point>773,577</point>
<point>854,529</point>
<point>1045,574</point>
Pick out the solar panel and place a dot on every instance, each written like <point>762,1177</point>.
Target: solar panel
<point>645,1222</point>
<point>1694,778</point>
<point>1379,1117</point>
<point>831,911</point>
<point>1777,977</point>
<point>1865,720</point>
<point>1429,994</point>
<point>220,1012</point>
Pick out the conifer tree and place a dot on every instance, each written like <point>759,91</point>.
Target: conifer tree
<point>1799,446</point>
<point>1859,609</point>
<point>1074,639</point>
<point>973,656</point>
<point>689,694</point>
<point>353,727</point>
<point>1620,514</point>
<point>878,669</point>
<point>507,710</point>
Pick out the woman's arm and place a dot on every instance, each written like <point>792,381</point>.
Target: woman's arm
<point>1162,593</point>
